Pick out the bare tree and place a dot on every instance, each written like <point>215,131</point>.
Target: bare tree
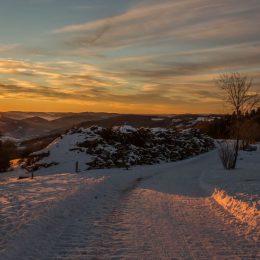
<point>239,94</point>
<point>240,98</point>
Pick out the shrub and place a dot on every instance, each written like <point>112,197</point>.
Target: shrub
<point>227,154</point>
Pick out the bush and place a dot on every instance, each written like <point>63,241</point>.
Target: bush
<point>227,154</point>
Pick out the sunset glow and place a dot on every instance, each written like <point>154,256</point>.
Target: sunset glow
<point>136,56</point>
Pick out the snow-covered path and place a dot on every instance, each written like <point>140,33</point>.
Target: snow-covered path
<point>161,214</point>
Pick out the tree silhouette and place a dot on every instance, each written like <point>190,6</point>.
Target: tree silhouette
<point>241,99</point>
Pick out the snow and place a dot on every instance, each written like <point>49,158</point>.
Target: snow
<point>148,212</point>
<point>125,129</point>
<point>157,119</point>
<point>156,130</point>
<point>238,191</point>
<point>64,151</point>
<point>176,120</point>
<point>25,201</point>
<point>9,138</point>
<point>189,122</point>
<point>206,118</point>
<point>40,200</point>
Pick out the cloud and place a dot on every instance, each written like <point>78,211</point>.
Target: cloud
<point>157,55</point>
<point>196,20</point>
<point>190,66</point>
<point>58,82</point>
<point>63,79</point>
<point>8,47</point>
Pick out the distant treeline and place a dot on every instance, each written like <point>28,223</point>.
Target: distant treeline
<point>8,151</point>
<point>223,128</point>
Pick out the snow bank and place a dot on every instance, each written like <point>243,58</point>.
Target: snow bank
<point>245,212</point>
<point>237,191</point>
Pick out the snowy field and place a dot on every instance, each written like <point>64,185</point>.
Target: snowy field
<point>148,212</point>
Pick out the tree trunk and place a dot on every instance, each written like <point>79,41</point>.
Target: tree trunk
<point>237,142</point>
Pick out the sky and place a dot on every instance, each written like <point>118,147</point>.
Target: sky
<point>132,56</point>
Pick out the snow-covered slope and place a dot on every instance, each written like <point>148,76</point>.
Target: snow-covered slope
<point>64,152</point>
<point>122,146</point>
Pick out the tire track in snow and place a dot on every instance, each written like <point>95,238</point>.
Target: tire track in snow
<point>150,224</point>
<point>167,216</point>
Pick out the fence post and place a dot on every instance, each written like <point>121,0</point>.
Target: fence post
<point>77,166</point>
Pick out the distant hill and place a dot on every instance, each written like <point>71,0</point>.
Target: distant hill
<point>20,125</point>
<point>29,125</point>
<point>178,121</point>
<point>18,115</point>
<point>35,120</point>
<point>134,120</point>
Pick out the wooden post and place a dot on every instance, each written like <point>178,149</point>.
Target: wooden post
<point>32,174</point>
<point>77,166</point>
